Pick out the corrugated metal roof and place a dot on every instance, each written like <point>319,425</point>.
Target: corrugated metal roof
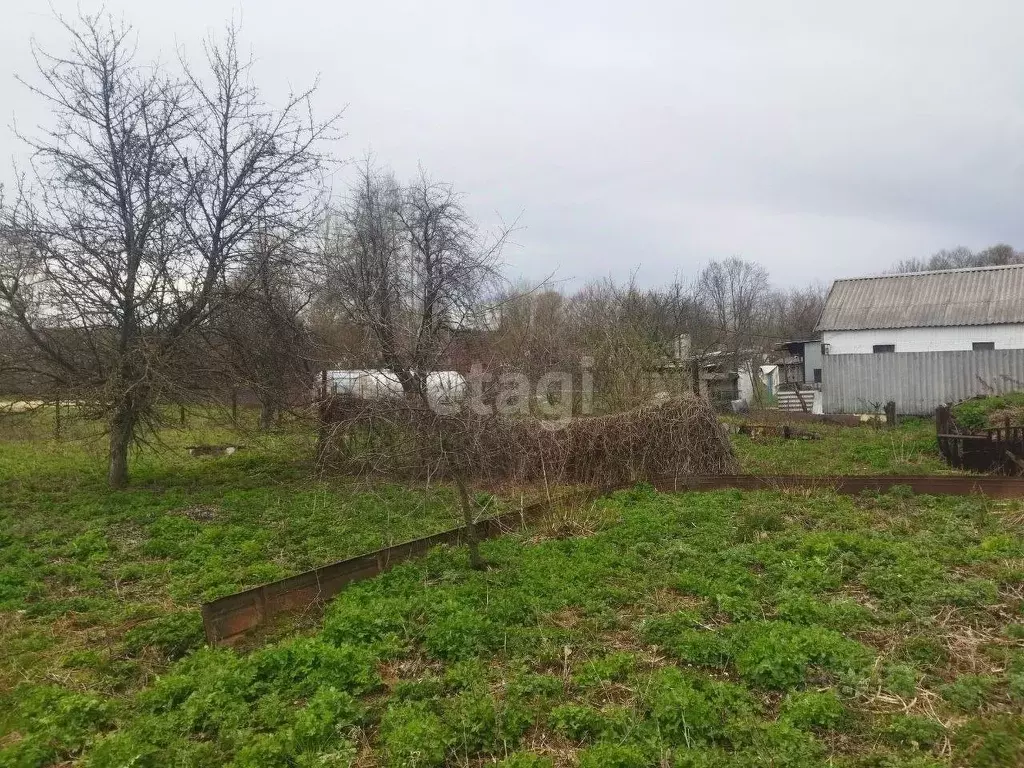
<point>951,297</point>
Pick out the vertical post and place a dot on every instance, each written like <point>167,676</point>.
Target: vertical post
<point>890,414</point>
<point>476,562</point>
<point>321,433</point>
<point>234,405</point>
<point>181,414</point>
<point>946,447</point>
<point>56,417</point>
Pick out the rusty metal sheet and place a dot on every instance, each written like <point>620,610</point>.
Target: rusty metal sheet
<point>936,485</point>
<point>228,619</point>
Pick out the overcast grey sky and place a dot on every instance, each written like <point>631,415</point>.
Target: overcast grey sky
<point>822,139</point>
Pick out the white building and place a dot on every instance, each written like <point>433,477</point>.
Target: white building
<point>922,338</point>
<point>953,309</point>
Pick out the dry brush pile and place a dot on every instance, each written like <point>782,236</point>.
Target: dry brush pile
<point>399,438</point>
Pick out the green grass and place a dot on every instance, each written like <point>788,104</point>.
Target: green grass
<point>721,629</point>
<point>983,412</point>
<point>910,449</point>
<point>99,589</point>
<point>717,629</point>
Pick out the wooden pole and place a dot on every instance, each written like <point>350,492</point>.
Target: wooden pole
<point>56,418</point>
<point>321,433</point>
<point>476,562</point>
<point>890,414</point>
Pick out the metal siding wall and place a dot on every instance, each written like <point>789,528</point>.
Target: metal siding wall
<point>918,381</point>
<point>812,359</point>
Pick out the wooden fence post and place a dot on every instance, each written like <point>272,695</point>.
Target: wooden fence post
<point>890,414</point>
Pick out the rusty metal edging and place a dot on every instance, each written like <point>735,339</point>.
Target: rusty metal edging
<point>935,485</point>
<point>227,619</point>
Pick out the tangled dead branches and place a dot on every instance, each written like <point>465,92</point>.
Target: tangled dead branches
<point>399,438</point>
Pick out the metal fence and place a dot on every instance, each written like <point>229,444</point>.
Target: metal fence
<point>917,381</point>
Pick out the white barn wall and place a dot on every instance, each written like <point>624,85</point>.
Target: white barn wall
<point>959,338</point>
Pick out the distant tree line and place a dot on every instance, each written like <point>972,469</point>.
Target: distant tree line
<point>627,331</point>
<point>961,258</point>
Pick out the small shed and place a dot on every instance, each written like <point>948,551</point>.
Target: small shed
<point>800,360</point>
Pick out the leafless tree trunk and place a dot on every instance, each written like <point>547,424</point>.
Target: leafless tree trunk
<point>476,560</point>
<point>145,194</point>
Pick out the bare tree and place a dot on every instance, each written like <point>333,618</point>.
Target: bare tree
<point>409,266</point>
<point>675,309</point>
<point>364,264</point>
<point>797,310</point>
<point>532,334</point>
<point>631,332</point>
<point>736,294</point>
<point>614,326</point>
<point>453,267</point>
<point>145,196</point>
<point>259,331</point>
<point>619,332</point>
